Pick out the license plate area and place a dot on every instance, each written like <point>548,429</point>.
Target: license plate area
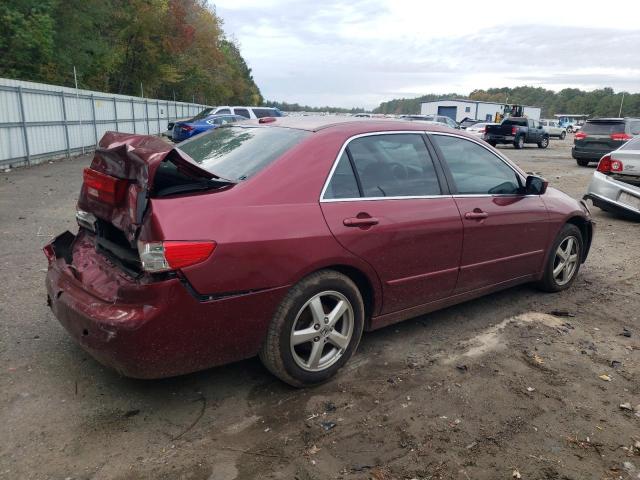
<point>629,200</point>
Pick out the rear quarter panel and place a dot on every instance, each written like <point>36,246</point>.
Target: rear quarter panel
<point>269,230</point>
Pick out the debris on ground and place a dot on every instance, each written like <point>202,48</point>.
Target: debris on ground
<point>562,313</point>
<point>327,425</point>
<point>604,377</point>
<point>626,332</point>
<point>516,474</point>
<point>462,368</point>
<point>626,406</point>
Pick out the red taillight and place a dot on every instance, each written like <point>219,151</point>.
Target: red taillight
<point>267,120</point>
<point>514,130</point>
<point>580,136</point>
<point>187,128</point>
<point>173,255</point>
<point>104,187</point>
<point>49,252</point>
<point>604,165</point>
<point>620,136</point>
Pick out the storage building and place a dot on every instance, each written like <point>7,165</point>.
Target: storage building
<point>460,109</point>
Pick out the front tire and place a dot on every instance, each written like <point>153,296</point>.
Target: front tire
<point>315,330</point>
<point>582,163</point>
<point>544,143</point>
<point>564,260</point>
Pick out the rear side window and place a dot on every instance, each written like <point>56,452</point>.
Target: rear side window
<point>603,128</point>
<point>243,112</point>
<point>633,144</point>
<point>343,183</point>
<point>264,112</point>
<point>395,165</point>
<point>634,127</point>
<point>224,111</point>
<point>237,153</point>
<point>475,169</point>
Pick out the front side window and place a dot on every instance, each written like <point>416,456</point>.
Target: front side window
<point>223,111</point>
<point>393,165</point>
<point>475,170</point>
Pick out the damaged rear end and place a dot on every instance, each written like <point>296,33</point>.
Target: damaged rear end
<point>118,274</point>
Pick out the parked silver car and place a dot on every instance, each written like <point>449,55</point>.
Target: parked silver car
<point>615,186</point>
<point>553,128</point>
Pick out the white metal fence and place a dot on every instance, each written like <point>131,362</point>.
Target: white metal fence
<point>39,121</point>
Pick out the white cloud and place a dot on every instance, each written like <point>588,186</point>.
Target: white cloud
<point>362,52</point>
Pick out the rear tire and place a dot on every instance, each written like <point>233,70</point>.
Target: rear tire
<point>492,143</point>
<point>563,135</point>
<point>581,162</point>
<point>518,143</point>
<point>305,344</point>
<point>544,143</point>
<point>570,129</point>
<point>564,260</point>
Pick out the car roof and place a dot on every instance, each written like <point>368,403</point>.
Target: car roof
<point>612,119</point>
<point>317,123</point>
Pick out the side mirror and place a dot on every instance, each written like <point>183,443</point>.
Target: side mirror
<point>536,185</point>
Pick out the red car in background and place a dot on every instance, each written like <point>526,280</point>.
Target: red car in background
<point>288,237</point>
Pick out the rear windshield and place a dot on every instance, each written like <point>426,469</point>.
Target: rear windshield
<point>237,153</point>
<point>633,144</point>
<point>603,128</point>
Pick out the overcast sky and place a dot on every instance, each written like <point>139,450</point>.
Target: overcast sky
<point>352,53</point>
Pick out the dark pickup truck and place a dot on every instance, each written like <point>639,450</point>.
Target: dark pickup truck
<point>517,131</point>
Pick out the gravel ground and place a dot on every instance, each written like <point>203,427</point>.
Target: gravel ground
<point>495,388</point>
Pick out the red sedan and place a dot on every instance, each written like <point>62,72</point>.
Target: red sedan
<point>288,237</point>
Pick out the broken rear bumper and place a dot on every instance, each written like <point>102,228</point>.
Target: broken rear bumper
<point>151,330</point>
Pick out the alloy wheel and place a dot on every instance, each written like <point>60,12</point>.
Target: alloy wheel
<point>322,331</point>
<point>566,260</point>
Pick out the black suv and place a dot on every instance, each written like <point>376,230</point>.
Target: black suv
<point>599,136</point>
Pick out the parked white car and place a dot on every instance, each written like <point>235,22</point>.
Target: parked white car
<point>553,128</point>
<point>478,129</point>
<point>615,185</point>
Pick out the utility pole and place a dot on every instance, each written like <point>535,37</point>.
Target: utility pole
<point>621,102</point>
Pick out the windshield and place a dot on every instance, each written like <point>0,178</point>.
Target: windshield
<point>237,153</point>
<point>603,128</point>
<point>204,113</point>
<point>633,144</point>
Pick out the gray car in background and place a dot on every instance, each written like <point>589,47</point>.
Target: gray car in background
<point>615,186</point>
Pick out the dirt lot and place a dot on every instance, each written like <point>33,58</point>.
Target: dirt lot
<point>490,389</point>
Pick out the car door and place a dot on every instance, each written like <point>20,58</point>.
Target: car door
<point>532,132</point>
<point>505,231</point>
<point>386,202</point>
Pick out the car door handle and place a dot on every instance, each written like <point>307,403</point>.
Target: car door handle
<point>360,222</point>
<point>477,214</point>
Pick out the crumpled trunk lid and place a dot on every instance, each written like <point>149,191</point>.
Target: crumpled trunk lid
<point>134,159</point>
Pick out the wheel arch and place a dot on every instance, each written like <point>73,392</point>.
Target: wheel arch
<point>586,229</point>
<point>370,296</point>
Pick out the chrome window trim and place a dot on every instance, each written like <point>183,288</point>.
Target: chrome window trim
<point>341,152</point>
